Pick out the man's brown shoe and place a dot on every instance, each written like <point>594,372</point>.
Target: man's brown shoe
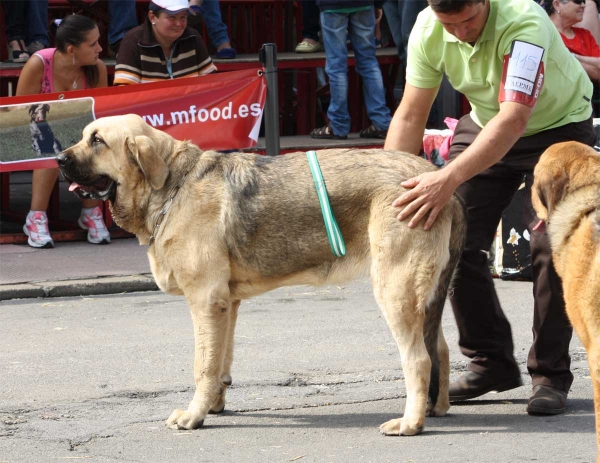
<point>472,384</point>
<point>547,400</point>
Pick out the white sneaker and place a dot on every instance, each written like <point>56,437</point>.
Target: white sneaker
<point>93,223</point>
<point>36,228</point>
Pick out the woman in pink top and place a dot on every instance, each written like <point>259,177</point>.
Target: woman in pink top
<point>72,65</point>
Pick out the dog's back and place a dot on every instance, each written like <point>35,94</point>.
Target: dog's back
<point>265,193</point>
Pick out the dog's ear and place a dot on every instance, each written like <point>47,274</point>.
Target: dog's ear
<point>538,200</point>
<point>551,189</point>
<point>46,108</point>
<point>152,165</point>
<point>32,109</point>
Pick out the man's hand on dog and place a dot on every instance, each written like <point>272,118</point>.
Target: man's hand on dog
<point>429,193</point>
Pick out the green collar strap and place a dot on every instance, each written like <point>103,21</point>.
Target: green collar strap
<point>336,241</point>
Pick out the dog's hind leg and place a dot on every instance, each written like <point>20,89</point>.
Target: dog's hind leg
<point>402,291</point>
<point>589,334</point>
<point>406,320</point>
<point>439,397</point>
<point>210,309</point>
<point>226,380</point>
<point>594,361</point>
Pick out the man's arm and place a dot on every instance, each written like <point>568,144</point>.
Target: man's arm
<point>408,124</point>
<point>432,190</point>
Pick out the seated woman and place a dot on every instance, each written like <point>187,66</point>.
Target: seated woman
<point>163,47</point>
<point>580,42</point>
<point>591,19</point>
<point>73,65</point>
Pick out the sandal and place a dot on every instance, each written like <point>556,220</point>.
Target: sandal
<point>372,132</point>
<point>18,55</point>
<point>325,133</point>
<point>307,47</point>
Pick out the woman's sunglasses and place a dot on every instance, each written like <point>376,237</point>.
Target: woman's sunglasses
<point>578,2</point>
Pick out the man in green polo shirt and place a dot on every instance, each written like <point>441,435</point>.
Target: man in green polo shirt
<point>526,92</point>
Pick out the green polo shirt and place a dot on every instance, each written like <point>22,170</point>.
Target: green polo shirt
<point>476,72</point>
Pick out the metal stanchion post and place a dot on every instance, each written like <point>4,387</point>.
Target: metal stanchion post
<point>268,58</point>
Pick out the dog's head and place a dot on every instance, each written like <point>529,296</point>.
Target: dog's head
<point>37,112</point>
<point>562,168</point>
<point>118,158</point>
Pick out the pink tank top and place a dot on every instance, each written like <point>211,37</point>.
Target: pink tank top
<point>47,57</point>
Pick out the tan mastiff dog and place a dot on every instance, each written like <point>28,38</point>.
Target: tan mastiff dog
<point>566,197</point>
<point>225,227</point>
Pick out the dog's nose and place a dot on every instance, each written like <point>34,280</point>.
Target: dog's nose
<point>63,159</point>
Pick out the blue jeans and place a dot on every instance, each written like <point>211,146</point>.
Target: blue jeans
<point>15,16</point>
<point>217,30</point>
<point>122,18</point>
<point>310,20</point>
<point>37,22</point>
<point>401,16</point>
<point>361,29</point>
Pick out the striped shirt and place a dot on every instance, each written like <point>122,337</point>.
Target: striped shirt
<point>141,58</point>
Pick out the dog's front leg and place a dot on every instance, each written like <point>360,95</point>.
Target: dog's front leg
<point>36,145</point>
<point>226,380</point>
<point>210,316</point>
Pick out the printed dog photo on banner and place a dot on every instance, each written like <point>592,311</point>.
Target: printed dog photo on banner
<point>41,130</point>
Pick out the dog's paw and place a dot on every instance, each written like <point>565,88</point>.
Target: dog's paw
<point>398,427</point>
<point>391,428</point>
<point>438,410</point>
<point>226,380</point>
<point>219,405</point>
<point>181,419</point>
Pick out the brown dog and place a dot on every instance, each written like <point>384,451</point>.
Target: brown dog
<point>226,227</point>
<point>566,196</point>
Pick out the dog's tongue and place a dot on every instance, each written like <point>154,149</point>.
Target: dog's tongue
<point>74,186</point>
<point>540,226</point>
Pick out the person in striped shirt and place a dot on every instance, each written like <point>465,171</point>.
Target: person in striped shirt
<point>163,47</point>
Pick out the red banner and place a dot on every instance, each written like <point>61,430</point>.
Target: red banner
<point>218,111</point>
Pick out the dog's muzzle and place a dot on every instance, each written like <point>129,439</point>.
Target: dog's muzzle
<point>98,187</point>
<point>103,188</point>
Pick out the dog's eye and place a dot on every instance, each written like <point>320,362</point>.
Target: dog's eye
<point>96,140</point>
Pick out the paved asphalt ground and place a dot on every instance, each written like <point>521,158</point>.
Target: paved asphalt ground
<point>94,377</point>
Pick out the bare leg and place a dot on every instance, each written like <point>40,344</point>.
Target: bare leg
<point>42,183</point>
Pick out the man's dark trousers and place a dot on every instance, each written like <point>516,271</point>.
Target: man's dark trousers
<point>485,333</point>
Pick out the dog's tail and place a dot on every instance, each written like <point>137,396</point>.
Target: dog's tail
<point>433,314</point>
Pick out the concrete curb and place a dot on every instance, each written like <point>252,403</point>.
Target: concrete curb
<point>85,287</point>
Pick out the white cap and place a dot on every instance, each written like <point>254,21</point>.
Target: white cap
<point>172,6</point>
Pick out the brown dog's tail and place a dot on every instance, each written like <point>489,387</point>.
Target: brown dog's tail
<point>434,311</point>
